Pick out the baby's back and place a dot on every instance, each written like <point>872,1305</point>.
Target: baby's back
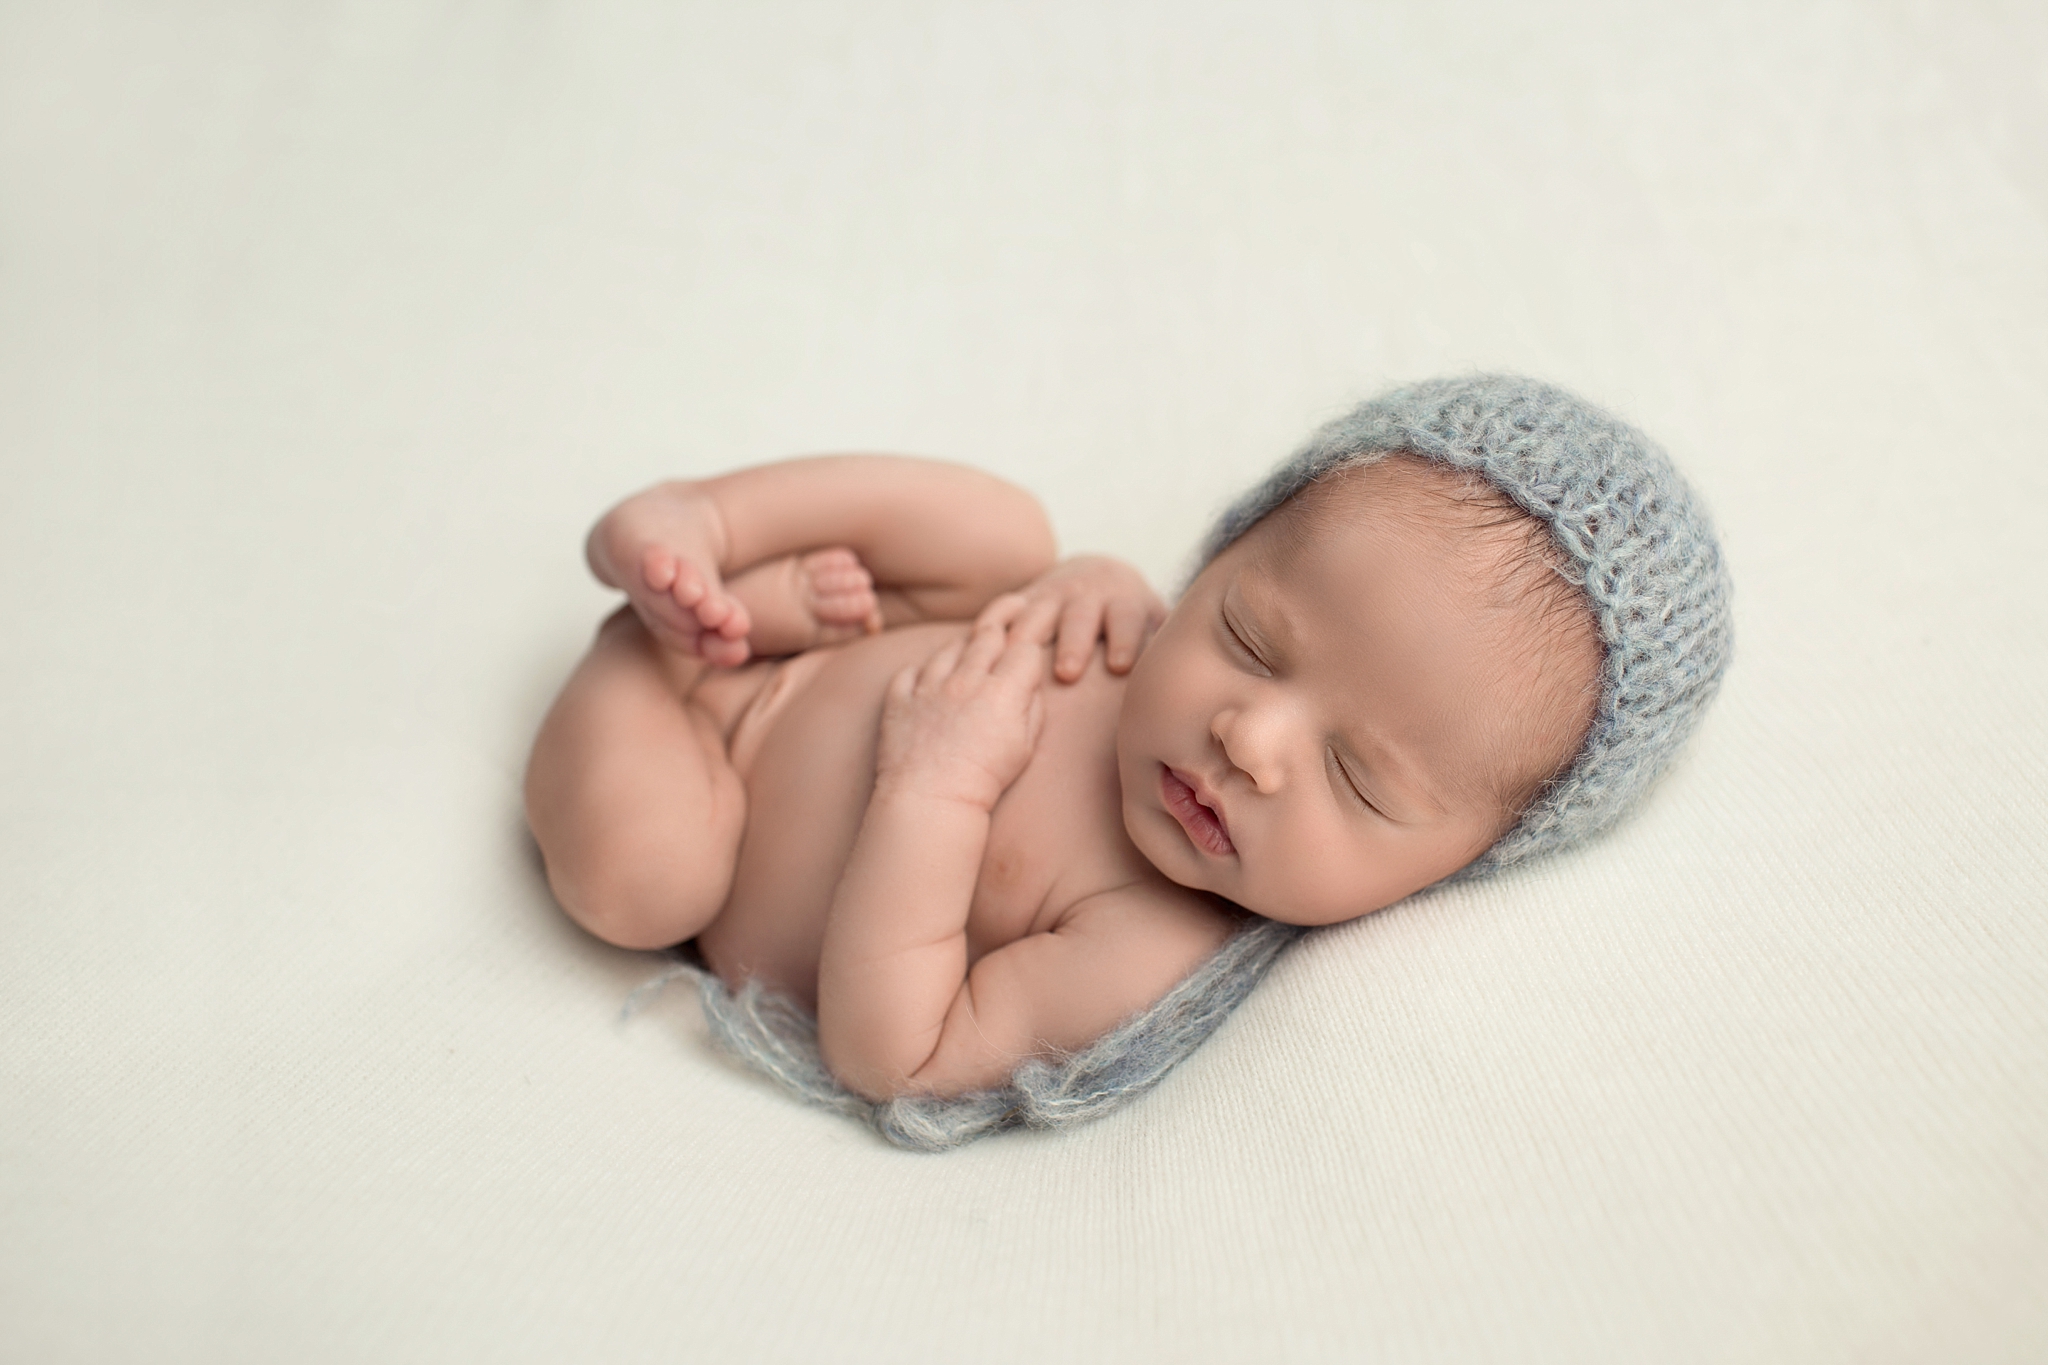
<point>801,733</point>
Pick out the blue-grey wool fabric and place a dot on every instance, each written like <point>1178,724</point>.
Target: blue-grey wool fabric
<point>778,1038</point>
<point>1630,533</point>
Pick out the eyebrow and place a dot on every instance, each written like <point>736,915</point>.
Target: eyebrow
<point>1382,762</point>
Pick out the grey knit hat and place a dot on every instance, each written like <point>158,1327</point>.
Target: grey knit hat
<point>1631,533</point>
<point>1642,547</point>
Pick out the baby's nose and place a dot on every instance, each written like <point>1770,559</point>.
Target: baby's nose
<point>1251,741</point>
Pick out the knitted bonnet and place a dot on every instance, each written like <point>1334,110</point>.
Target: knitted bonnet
<point>1630,533</point>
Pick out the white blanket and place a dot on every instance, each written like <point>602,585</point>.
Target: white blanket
<point>325,330</point>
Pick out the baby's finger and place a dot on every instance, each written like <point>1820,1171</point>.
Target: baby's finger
<point>1022,663</point>
<point>939,666</point>
<point>1037,624</point>
<point>1080,624</point>
<point>1002,611</point>
<point>1125,633</point>
<point>983,648</point>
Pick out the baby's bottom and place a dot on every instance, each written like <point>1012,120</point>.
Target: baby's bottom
<point>637,809</point>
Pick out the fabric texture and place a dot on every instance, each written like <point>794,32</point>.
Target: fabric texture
<point>779,1038</point>
<point>326,330</point>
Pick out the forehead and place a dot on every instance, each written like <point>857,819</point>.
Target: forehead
<point>1401,533</point>
<point>1481,545</point>
<point>1402,490</point>
<point>1371,586</point>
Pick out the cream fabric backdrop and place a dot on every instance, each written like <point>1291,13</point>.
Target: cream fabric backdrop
<point>326,329</point>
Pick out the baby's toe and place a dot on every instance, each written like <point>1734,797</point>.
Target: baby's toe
<point>841,591</point>
<point>842,586</point>
<point>658,568</point>
<point>688,587</point>
<point>831,572</point>
<point>738,622</point>
<point>846,608</point>
<point>720,652</point>
<point>833,560</point>
<point>713,609</point>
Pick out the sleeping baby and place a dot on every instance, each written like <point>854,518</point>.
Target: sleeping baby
<point>963,837</point>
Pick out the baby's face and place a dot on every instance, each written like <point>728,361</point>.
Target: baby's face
<point>1312,734</point>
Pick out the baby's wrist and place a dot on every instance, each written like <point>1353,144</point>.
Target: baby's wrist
<point>934,793</point>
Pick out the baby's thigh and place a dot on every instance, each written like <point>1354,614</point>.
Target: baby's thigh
<point>631,796</point>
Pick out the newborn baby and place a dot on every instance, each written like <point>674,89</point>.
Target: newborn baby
<point>984,816</point>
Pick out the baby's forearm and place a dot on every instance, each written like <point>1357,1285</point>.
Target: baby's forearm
<point>945,536</point>
<point>895,952</point>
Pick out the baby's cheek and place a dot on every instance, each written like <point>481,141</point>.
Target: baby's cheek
<point>1164,697</point>
<point>1310,872</point>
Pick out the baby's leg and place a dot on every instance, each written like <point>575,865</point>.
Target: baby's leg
<point>801,601</point>
<point>630,795</point>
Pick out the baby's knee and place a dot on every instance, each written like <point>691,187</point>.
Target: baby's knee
<point>637,889</point>
<point>639,864</point>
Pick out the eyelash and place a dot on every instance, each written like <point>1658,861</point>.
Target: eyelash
<point>1239,641</point>
<point>1345,773</point>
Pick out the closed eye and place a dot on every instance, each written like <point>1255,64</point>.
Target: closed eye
<point>1239,645</point>
<point>1341,777</point>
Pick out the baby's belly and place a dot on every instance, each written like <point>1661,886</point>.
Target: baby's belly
<point>809,765</point>
<point>809,768</point>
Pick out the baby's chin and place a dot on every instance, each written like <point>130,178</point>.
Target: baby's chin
<point>1157,844</point>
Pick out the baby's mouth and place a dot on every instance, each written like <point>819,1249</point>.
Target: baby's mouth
<point>1203,825</point>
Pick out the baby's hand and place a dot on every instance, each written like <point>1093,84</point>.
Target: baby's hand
<point>662,548</point>
<point>1077,602</point>
<point>963,724</point>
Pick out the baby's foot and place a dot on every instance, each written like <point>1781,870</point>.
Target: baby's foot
<point>694,614</point>
<point>662,548</point>
<point>801,601</point>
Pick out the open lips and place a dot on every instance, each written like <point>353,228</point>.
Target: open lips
<point>1202,821</point>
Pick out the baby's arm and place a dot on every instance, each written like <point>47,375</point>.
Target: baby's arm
<point>898,1008</point>
<point>939,541</point>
